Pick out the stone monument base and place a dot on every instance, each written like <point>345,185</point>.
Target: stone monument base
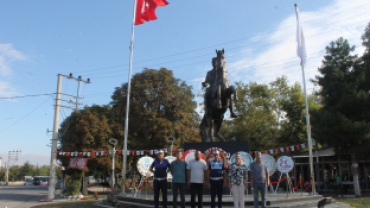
<point>278,200</point>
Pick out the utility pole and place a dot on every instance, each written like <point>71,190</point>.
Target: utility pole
<point>11,155</point>
<point>54,144</point>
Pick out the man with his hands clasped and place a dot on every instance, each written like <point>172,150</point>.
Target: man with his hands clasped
<point>259,179</point>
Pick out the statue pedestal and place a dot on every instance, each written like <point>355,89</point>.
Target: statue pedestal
<point>229,147</point>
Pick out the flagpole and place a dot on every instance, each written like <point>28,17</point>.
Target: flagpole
<point>128,104</point>
<point>308,132</point>
<point>301,52</point>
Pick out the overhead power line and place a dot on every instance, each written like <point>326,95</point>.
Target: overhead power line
<point>233,41</point>
<point>228,56</point>
<point>26,115</point>
<point>23,96</point>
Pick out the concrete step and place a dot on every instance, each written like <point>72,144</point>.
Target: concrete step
<point>307,201</point>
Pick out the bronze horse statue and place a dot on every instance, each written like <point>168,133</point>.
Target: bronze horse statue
<point>218,98</point>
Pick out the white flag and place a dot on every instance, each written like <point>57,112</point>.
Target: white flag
<point>271,151</point>
<point>89,154</point>
<point>281,149</point>
<point>303,146</point>
<point>292,148</point>
<point>313,143</point>
<point>301,43</point>
<point>151,152</point>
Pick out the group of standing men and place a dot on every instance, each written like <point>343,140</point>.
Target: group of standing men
<point>198,174</point>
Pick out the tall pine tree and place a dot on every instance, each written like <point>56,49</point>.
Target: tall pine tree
<point>343,121</point>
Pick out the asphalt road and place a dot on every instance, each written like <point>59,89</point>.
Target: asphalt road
<point>21,196</point>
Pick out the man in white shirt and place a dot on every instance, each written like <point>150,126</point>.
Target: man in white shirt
<point>197,178</point>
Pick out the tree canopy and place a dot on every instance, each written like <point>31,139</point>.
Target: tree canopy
<point>160,106</point>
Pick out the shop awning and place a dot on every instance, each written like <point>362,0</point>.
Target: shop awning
<point>321,152</point>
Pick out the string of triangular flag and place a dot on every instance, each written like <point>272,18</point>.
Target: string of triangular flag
<point>290,148</point>
<point>100,153</point>
<point>110,152</point>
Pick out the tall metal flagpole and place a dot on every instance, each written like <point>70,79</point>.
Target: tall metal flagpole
<point>128,104</point>
<point>308,132</point>
<point>301,52</point>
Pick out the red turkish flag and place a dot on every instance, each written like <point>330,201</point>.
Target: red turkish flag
<point>298,147</point>
<point>133,153</point>
<point>145,10</point>
<point>80,154</point>
<point>68,154</point>
<point>251,154</point>
<point>93,153</point>
<point>277,151</point>
<point>265,152</point>
<point>119,152</point>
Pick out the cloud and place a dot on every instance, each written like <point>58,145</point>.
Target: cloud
<point>276,55</point>
<point>8,55</point>
<point>6,90</point>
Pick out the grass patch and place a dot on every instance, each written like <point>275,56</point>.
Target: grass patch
<point>356,202</point>
<point>76,204</point>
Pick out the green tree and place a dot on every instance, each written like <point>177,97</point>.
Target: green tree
<point>279,91</point>
<point>343,121</point>
<point>256,115</point>
<point>44,170</point>
<point>2,175</point>
<point>26,169</point>
<point>14,173</point>
<point>294,129</point>
<point>160,106</point>
<point>87,130</point>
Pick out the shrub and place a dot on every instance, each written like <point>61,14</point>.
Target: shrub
<point>73,186</point>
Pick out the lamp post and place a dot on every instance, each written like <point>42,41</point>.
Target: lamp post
<point>171,139</point>
<point>113,142</point>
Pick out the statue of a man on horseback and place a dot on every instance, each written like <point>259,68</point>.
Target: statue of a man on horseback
<point>218,97</point>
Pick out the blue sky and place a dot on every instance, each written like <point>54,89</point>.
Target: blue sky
<point>39,39</point>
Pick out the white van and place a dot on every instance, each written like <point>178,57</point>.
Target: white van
<point>28,181</point>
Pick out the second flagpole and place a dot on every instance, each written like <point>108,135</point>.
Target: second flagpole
<point>128,104</point>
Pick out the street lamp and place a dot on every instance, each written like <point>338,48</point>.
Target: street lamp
<point>171,139</point>
<point>113,142</point>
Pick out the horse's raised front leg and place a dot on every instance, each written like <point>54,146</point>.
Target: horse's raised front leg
<point>232,91</point>
<point>231,108</point>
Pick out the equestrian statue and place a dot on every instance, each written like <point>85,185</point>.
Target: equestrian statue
<point>218,97</point>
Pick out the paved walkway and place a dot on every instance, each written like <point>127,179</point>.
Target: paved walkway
<point>22,196</point>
